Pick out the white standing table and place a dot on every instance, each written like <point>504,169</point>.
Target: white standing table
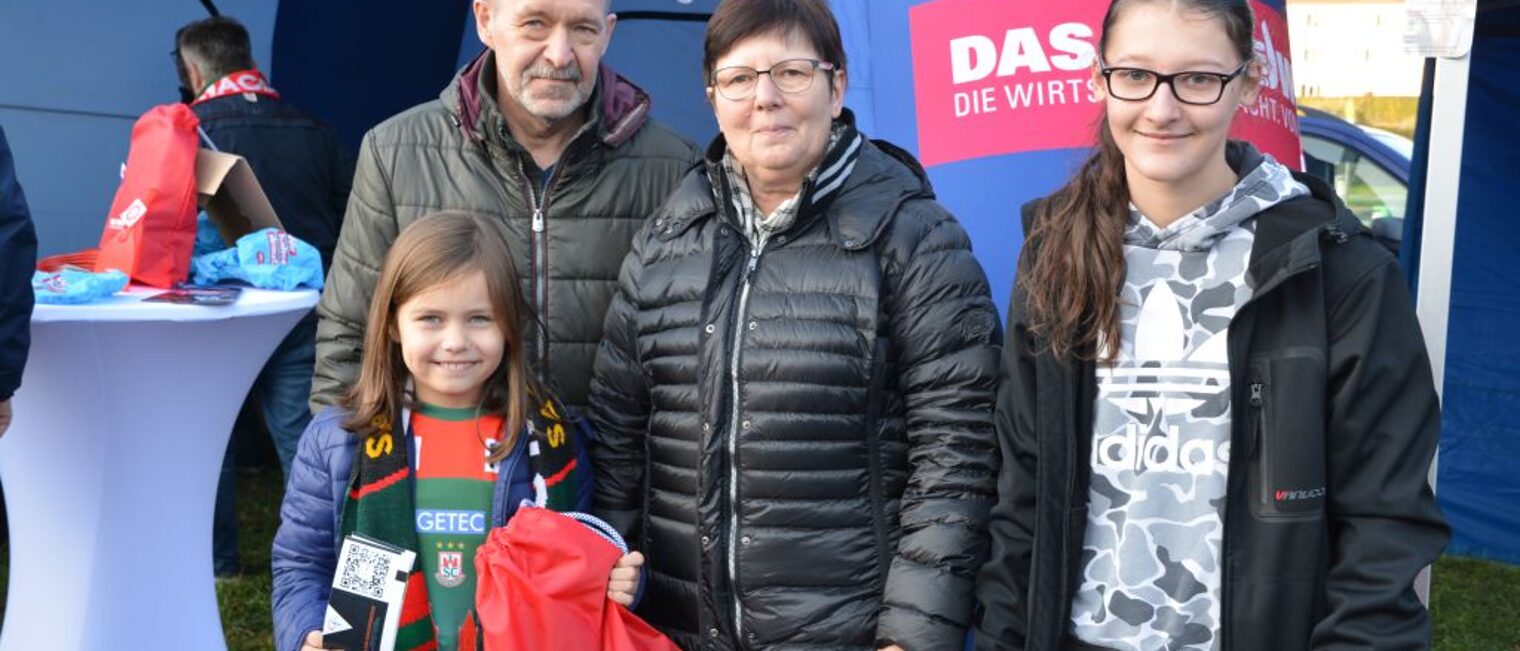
<point>110,468</point>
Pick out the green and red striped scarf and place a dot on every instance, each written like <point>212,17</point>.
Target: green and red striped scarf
<point>380,505</point>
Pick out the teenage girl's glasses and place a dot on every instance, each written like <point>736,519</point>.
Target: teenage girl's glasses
<point>1196,87</point>
<point>790,76</point>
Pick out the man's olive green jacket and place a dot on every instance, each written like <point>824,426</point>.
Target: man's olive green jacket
<point>569,227</point>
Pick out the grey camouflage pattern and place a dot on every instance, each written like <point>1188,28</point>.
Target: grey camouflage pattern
<point>1161,441</point>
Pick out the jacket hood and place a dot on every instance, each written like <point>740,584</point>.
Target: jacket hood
<point>1263,183</point>
<point>883,178</point>
<point>618,106</point>
<point>1288,241</point>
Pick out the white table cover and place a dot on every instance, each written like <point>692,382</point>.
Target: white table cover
<point>110,468</point>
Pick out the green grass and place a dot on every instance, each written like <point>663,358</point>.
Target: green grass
<point>1475,603</point>
<point>245,600</point>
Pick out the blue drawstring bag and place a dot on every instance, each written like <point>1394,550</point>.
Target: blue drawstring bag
<point>76,286</point>
<point>267,259</point>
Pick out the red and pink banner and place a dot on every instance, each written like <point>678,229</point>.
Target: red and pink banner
<point>993,77</point>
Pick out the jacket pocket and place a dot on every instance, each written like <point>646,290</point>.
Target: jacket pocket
<point>1286,423</point>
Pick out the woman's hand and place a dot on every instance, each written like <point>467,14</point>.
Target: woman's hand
<point>624,581</point>
<point>313,641</point>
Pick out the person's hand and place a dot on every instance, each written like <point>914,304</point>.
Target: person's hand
<point>313,641</point>
<point>5,415</point>
<point>624,581</point>
<point>893,647</point>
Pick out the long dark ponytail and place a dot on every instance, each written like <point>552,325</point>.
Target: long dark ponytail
<point>1075,270</point>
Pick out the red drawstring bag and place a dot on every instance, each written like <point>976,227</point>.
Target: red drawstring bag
<point>543,585</point>
<point>150,232</point>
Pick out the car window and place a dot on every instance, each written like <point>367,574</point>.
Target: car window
<point>1370,191</point>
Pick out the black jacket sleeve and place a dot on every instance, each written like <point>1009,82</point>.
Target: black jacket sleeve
<point>1002,586</point>
<point>1384,422</point>
<point>18,257</point>
<point>946,336</point>
<point>619,407</point>
<point>343,164</point>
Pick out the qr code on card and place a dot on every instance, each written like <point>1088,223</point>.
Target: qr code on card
<point>364,570</point>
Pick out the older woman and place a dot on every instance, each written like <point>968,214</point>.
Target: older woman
<point>795,388</point>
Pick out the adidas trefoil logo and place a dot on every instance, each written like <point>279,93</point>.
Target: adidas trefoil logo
<point>1163,377</point>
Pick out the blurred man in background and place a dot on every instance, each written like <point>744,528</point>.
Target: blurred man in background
<point>303,169</point>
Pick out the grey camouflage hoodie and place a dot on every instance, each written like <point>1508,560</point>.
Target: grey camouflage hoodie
<point>1161,439</point>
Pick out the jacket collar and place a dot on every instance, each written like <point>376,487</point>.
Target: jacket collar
<point>1288,235</point>
<point>884,177</point>
<point>618,106</point>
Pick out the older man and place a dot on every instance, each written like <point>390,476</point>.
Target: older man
<point>537,135</point>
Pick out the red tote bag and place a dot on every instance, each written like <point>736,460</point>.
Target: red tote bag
<point>543,585</point>
<point>150,231</point>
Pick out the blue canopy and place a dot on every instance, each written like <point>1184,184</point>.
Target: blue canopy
<point>1478,482</point>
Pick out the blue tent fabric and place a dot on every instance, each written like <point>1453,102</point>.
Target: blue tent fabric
<point>1414,207</point>
<point>354,73</point>
<point>1478,483</point>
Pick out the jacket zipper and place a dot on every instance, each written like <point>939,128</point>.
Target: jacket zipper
<point>1064,606</point>
<point>1230,514</point>
<point>873,464</point>
<point>733,440</point>
<point>540,262</point>
<point>1259,441</point>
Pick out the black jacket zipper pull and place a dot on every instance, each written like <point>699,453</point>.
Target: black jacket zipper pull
<point>1256,401</point>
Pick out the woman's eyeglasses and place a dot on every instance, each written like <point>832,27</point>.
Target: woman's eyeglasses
<point>790,76</point>
<point>1196,87</point>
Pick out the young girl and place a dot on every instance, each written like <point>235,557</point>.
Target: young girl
<point>439,441</point>
<point>1217,413</point>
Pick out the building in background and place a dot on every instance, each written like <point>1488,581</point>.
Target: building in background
<point>1349,48</point>
<point>1349,59</point>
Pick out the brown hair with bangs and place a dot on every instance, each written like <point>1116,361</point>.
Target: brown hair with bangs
<point>437,249</point>
<point>736,20</point>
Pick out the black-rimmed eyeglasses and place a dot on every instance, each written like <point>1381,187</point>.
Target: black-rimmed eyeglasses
<point>1196,87</point>
<point>790,76</point>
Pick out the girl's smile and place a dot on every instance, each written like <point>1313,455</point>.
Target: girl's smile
<point>450,340</point>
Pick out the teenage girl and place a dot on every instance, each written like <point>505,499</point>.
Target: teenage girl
<point>1217,413</point>
<point>440,440</point>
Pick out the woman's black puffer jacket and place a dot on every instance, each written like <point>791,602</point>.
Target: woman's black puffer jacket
<point>832,493</point>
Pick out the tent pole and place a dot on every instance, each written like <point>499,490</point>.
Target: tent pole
<point>1438,243</point>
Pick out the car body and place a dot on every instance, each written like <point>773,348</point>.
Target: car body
<point>1368,167</point>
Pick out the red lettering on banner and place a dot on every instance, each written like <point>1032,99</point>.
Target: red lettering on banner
<point>993,78</point>
<point>1272,122</point>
